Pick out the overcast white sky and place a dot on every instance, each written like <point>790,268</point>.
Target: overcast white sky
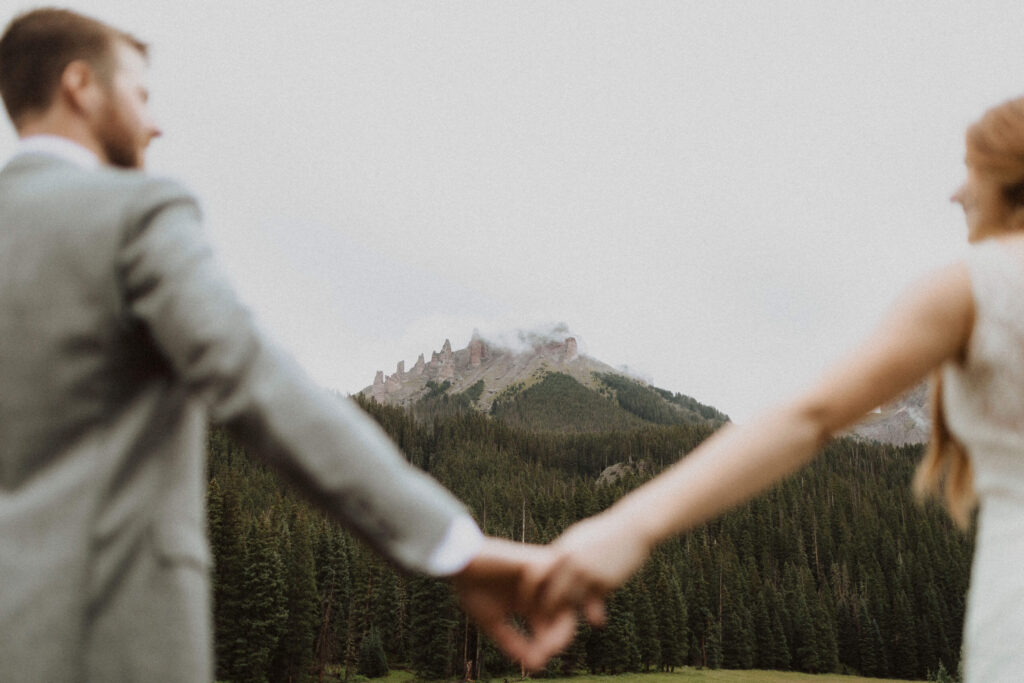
<point>722,196</point>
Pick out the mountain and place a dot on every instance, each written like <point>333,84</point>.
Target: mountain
<point>903,421</point>
<point>498,368</point>
<point>545,386</point>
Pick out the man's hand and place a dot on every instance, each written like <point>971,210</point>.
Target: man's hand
<point>594,557</point>
<point>493,588</point>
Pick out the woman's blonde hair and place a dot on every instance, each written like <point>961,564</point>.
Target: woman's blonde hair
<point>945,471</point>
<point>995,149</point>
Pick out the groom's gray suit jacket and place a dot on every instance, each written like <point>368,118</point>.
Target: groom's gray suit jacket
<point>119,339</point>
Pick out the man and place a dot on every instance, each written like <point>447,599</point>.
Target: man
<point>119,339</point>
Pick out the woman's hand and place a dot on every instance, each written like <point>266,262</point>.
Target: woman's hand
<point>493,589</point>
<point>595,556</point>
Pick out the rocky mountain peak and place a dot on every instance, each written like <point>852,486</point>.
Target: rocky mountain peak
<point>496,366</point>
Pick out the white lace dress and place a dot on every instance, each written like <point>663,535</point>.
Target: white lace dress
<point>984,405</point>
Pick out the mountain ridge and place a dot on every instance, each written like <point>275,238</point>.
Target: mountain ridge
<point>523,385</point>
<point>498,367</point>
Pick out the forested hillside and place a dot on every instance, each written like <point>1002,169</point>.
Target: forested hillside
<point>557,402</point>
<point>837,569</point>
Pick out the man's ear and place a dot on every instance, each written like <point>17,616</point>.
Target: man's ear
<point>80,88</point>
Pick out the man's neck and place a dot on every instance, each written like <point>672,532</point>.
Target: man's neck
<point>59,147</point>
<point>72,129</point>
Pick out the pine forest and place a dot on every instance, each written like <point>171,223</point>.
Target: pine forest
<point>837,569</point>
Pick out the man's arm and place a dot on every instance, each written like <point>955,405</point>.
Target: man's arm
<point>330,449</point>
<point>333,452</point>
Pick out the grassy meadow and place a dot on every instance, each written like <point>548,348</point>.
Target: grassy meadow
<point>687,675</point>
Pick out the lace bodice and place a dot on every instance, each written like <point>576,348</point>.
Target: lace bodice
<point>983,400</point>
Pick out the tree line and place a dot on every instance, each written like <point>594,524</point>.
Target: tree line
<point>837,569</point>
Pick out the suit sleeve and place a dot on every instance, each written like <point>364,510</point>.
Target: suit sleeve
<point>330,449</point>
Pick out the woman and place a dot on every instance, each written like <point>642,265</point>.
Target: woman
<point>965,324</point>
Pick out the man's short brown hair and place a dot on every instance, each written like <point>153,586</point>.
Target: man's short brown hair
<point>38,45</point>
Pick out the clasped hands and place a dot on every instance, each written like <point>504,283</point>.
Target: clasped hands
<point>550,586</point>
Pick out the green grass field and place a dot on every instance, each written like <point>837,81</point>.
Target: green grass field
<point>686,675</point>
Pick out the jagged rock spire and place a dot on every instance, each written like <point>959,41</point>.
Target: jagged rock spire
<point>476,350</point>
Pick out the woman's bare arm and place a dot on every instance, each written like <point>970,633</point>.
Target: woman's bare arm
<point>928,325</point>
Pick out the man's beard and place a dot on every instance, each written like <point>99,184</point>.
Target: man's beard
<point>116,140</point>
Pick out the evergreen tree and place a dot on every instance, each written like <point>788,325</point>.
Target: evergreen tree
<point>713,645</point>
<point>737,639</point>
<point>847,640</point>
<point>389,617</point>
<point>294,655</point>
<point>263,607</point>
<point>671,613</point>
<point>764,638</point>
<point>781,658</point>
<point>647,628</point>
<point>574,658</point>
<point>824,620</point>
<point>227,539</point>
<point>699,606</point>
<point>806,655</point>
<point>432,620</point>
<point>942,675</point>
<point>872,661</point>
<point>614,648</point>
<point>373,663</point>
<point>903,647</point>
<point>333,593</point>
<point>365,575</point>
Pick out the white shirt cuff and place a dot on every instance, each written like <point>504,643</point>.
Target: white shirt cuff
<point>461,543</point>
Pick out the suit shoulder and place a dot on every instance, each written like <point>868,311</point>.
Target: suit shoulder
<point>143,197</point>
<point>145,191</point>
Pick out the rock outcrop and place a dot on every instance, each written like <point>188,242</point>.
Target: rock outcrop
<point>476,351</point>
<point>496,366</point>
<point>903,421</point>
<point>612,473</point>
